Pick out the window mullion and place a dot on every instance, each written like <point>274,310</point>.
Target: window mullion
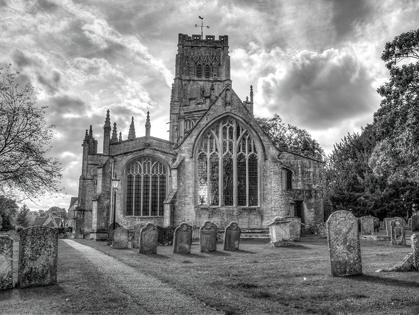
<point>142,194</point>
<point>235,164</point>
<point>133,196</point>
<point>220,165</point>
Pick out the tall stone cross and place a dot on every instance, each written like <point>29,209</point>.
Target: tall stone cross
<point>202,26</point>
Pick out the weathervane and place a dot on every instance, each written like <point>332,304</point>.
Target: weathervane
<point>202,27</point>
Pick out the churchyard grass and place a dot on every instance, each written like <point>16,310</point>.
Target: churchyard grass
<point>260,279</point>
<point>257,279</point>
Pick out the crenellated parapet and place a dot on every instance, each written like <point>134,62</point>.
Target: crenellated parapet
<point>196,40</point>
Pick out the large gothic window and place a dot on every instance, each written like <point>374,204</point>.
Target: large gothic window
<point>146,187</point>
<point>227,166</point>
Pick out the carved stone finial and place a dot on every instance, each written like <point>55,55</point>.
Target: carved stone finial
<point>114,134</point>
<point>107,121</point>
<point>251,94</point>
<point>120,136</point>
<point>131,133</point>
<point>147,125</point>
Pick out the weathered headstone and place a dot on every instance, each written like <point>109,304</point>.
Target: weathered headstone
<point>111,231</point>
<point>344,245</point>
<point>183,239</point>
<point>367,225</point>
<point>6,262</point>
<point>208,237</point>
<point>232,236</point>
<point>398,234</point>
<point>149,236</point>
<point>415,250</point>
<point>295,228</point>
<point>120,238</point>
<point>137,233</point>
<point>376,224</point>
<point>38,253</point>
<point>387,225</point>
<point>415,222</point>
<point>279,230</point>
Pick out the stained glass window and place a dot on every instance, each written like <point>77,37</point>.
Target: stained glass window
<point>227,166</point>
<point>146,187</point>
<point>199,71</point>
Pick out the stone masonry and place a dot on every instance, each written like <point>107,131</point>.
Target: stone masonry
<point>202,98</point>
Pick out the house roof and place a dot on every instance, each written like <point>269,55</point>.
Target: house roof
<point>73,201</point>
<point>39,221</point>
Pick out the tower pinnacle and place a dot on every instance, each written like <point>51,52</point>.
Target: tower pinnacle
<point>131,134</point>
<point>147,125</point>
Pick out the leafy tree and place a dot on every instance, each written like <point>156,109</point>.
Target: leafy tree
<point>290,138</point>
<point>23,216</point>
<point>396,123</point>
<point>60,212</point>
<point>8,211</point>
<point>25,168</point>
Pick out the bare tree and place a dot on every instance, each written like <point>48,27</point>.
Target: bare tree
<point>25,168</point>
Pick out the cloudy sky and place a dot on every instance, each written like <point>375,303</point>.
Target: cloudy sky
<point>315,63</point>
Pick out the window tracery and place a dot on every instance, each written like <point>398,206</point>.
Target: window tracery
<point>227,166</point>
<point>146,187</point>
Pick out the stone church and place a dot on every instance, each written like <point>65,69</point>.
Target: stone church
<point>217,165</point>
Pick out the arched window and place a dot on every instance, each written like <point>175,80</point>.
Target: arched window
<point>227,166</point>
<point>146,187</point>
<point>199,71</point>
<point>207,71</point>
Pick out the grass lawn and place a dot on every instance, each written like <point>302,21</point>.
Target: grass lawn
<point>260,279</point>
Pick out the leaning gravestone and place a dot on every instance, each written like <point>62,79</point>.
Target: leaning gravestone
<point>367,225</point>
<point>344,245</point>
<point>149,237</point>
<point>398,233</point>
<point>183,239</point>
<point>38,253</point>
<point>232,236</point>
<point>120,238</point>
<point>387,225</point>
<point>208,237</point>
<point>415,222</point>
<point>6,262</point>
<point>137,233</point>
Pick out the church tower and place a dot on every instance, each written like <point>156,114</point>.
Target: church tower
<point>202,72</point>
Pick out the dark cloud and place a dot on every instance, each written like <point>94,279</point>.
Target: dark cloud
<point>20,59</point>
<point>346,13</point>
<point>51,82</point>
<point>318,91</point>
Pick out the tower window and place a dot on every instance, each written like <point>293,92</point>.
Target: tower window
<point>146,187</point>
<point>207,71</point>
<point>286,179</point>
<point>199,71</point>
<point>227,166</point>
<point>188,125</point>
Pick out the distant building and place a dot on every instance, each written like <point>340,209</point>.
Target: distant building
<point>48,220</point>
<point>218,164</point>
<point>72,213</point>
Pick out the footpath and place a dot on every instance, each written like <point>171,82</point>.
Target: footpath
<point>154,296</point>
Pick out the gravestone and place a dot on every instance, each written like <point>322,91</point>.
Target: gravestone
<point>398,233</point>
<point>232,236</point>
<point>415,222</point>
<point>387,225</point>
<point>409,224</point>
<point>183,239</point>
<point>6,262</point>
<point>38,253</point>
<point>376,224</point>
<point>208,237</point>
<point>415,250</point>
<point>280,230</point>
<point>137,233</point>
<point>120,238</point>
<point>111,231</point>
<point>367,225</point>
<point>344,245</point>
<point>149,236</point>
<point>295,228</point>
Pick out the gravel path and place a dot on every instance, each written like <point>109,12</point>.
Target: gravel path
<point>155,296</point>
